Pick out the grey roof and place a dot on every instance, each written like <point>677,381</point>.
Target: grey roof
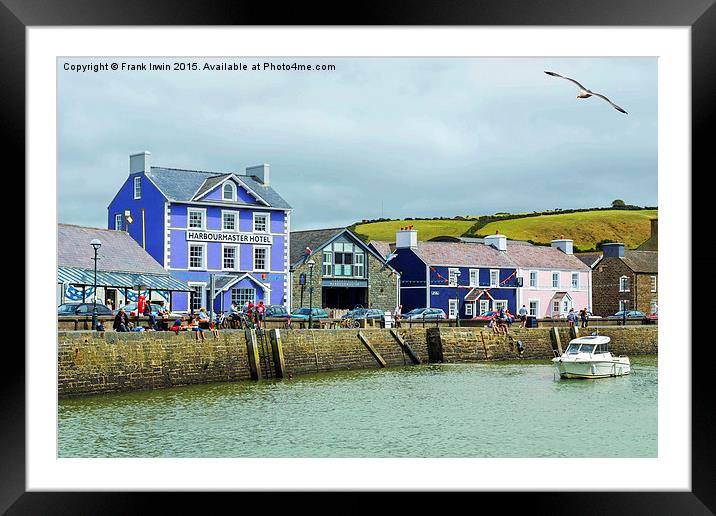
<point>589,259</point>
<point>313,239</point>
<point>210,183</point>
<point>181,185</point>
<point>119,251</point>
<point>473,240</point>
<point>544,257</point>
<point>642,261</point>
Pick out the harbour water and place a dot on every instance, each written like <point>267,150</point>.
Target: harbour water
<point>496,409</point>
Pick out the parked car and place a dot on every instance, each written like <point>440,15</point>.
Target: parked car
<point>630,314</point>
<point>419,314</point>
<point>276,311</point>
<point>82,309</point>
<point>303,313</point>
<point>652,318</point>
<point>485,316</point>
<point>364,313</point>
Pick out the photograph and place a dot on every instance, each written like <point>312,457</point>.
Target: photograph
<point>357,257</point>
<point>417,254</point>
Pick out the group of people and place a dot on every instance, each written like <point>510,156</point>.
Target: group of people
<point>500,321</point>
<point>158,321</point>
<point>197,323</point>
<point>574,318</point>
<point>253,312</point>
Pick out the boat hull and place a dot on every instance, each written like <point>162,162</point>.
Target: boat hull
<point>592,369</point>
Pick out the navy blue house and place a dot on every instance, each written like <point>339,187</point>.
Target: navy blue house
<point>200,225</point>
<point>458,277</point>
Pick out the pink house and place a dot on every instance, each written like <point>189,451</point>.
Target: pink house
<point>553,279</point>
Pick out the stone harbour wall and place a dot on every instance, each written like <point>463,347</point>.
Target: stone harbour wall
<point>103,362</point>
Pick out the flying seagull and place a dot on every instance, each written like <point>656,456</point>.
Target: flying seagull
<point>585,93</point>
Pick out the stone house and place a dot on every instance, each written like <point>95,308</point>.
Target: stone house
<point>345,272</point>
<point>625,279</point>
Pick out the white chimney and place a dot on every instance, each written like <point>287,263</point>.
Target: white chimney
<point>261,172</point>
<point>140,162</point>
<point>406,237</point>
<point>497,241</point>
<point>564,245</point>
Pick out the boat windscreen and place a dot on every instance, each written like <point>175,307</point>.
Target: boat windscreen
<point>573,349</point>
<point>587,348</point>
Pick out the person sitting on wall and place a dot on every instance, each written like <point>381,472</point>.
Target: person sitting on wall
<point>494,323</point>
<point>195,327</point>
<point>203,319</point>
<point>121,321</point>
<point>177,327</point>
<point>148,313</point>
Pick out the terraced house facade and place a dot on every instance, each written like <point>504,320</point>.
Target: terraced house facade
<point>233,226</point>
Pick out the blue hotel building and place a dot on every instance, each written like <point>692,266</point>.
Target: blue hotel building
<point>196,224</point>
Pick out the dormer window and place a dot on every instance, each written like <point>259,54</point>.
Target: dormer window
<point>229,191</point>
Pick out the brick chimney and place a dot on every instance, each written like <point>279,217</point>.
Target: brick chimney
<point>655,228</point>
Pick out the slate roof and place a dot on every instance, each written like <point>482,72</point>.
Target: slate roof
<point>476,254</point>
<point>181,185</point>
<point>642,261</point>
<point>544,257</point>
<point>462,253</point>
<point>119,251</point>
<point>473,240</point>
<point>589,259</point>
<point>312,238</point>
<point>384,248</point>
<point>210,183</point>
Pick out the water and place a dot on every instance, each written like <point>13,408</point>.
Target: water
<point>505,409</point>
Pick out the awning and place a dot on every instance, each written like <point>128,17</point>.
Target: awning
<point>476,293</point>
<point>77,276</point>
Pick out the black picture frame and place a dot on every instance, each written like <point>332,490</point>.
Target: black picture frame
<point>700,15</point>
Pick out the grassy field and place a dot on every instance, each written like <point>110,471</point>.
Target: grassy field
<point>586,228</point>
<point>427,229</point>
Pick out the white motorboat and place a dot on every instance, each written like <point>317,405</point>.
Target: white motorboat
<point>589,357</point>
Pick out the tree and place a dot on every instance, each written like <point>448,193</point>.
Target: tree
<point>618,203</point>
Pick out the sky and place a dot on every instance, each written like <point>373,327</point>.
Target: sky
<point>376,137</point>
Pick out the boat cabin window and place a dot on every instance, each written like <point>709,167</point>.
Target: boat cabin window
<point>573,349</point>
<point>601,348</point>
<point>587,348</point>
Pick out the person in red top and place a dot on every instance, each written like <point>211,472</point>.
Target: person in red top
<point>260,309</point>
<point>250,311</point>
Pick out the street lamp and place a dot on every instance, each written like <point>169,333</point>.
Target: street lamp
<point>96,244</point>
<point>310,264</point>
<point>457,298</point>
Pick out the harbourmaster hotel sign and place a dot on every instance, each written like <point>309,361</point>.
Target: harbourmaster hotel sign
<point>237,238</point>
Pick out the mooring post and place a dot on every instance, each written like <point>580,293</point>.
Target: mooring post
<point>253,352</point>
<point>277,350</point>
<point>555,340</point>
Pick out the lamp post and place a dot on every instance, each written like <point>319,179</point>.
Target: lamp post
<point>457,298</point>
<point>310,264</point>
<point>96,244</point>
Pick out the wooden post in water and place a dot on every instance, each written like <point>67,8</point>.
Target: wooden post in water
<point>253,352</point>
<point>277,350</point>
<point>555,340</point>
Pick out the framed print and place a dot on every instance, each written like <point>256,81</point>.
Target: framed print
<point>409,251</point>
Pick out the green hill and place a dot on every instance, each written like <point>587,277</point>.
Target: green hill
<point>586,228</point>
